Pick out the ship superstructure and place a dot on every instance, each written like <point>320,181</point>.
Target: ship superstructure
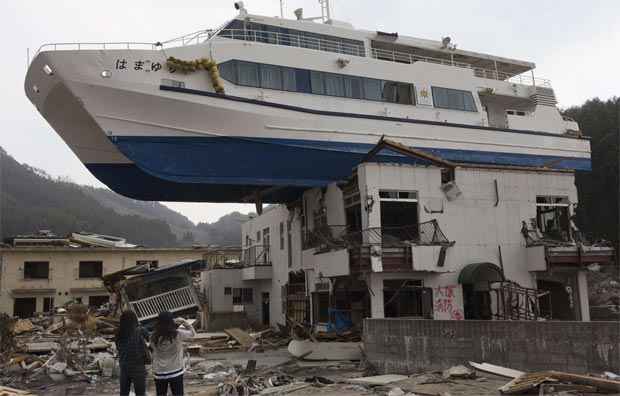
<point>296,104</point>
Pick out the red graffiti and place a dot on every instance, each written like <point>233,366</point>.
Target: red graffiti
<point>444,302</point>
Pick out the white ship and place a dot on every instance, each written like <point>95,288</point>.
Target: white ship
<point>297,104</point>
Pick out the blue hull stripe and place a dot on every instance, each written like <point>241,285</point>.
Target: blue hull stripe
<point>287,162</point>
<point>358,115</point>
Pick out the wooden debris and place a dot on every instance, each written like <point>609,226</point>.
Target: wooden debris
<point>284,389</point>
<point>529,381</point>
<point>6,391</point>
<point>325,350</point>
<point>497,370</point>
<point>243,338</point>
<point>22,326</point>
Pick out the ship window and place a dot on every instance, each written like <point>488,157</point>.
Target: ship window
<point>302,79</point>
<point>172,83</point>
<point>228,71</point>
<point>396,92</point>
<point>317,83</point>
<point>270,77</point>
<point>289,82</point>
<point>352,87</point>
<point>248,74</point>
<point>373,89</point>
<point>454,99</point>
<point>334,84</point>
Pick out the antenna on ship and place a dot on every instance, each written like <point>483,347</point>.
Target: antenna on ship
<point>281,8</point>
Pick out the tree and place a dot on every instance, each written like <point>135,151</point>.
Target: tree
<point>598,214</point>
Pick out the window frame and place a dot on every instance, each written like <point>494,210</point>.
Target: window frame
<point>34,276</point>
<point>85,276</point>
<point>448,90</point>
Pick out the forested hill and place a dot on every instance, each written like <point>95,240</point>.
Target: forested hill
<point>597,214</point>
<point>31,200</point>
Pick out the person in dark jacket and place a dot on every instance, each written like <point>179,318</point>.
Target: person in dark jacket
<point>131,346</point>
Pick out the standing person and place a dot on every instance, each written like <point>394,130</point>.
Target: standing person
<point>132,352</point>
<point>167,344</point>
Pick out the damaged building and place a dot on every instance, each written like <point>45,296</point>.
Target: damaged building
<point>420,237</point>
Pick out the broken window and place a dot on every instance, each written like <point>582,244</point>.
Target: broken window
<point>552,217</point>
<point>153,264</point>
<point>399,216</point>
<point>407,298</point>
<point>91,269</point>
<point>243,295</point>
<point>36,270</point>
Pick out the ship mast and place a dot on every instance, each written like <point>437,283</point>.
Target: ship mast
<point>325,12</point>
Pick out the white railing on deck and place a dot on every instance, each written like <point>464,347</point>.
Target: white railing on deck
<point>172,301</point>
<point>296,40</point>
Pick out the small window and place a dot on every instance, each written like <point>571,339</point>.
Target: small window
<point>248,74</point>
<point>352,87</point>
<point>228,71</point>
<point>36,270</point>
<point>281,235</point>
<point>317,83</point>
<point>151,263</point>
<point>270,77</point>
<point>91,269</point>
<point>454,99</point>
<point>227,291</point>
<point>334,84</point>
<point>373,89</point>
<point>243,296</point>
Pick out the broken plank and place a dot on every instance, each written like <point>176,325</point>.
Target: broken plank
<point>600,383</point>
<point>243,338</point>
<point>497,370</point>
<point>8,391</point>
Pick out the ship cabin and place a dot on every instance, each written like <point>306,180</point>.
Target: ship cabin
<point>497,92</point>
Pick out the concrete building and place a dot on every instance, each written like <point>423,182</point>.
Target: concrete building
<point>427,240</point>
<point>38,278</point>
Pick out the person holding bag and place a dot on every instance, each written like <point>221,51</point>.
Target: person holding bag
<point>167,346</point>
<point>133,354</point>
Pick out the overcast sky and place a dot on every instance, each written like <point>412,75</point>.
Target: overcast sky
<point>574,43</point>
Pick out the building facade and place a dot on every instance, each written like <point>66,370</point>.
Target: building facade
<point>39,278</point>
<point>406,240</point>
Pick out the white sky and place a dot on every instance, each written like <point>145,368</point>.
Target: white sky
<point>574,43</point>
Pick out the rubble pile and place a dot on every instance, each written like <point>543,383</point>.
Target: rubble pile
<point>237,340</point>
<point>68,345</point>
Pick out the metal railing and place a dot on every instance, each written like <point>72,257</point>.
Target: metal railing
<point>297,40</point>
<point>293,40</point>
<point>338,237</point>
<point>256,255</point>
<point>172,301</point>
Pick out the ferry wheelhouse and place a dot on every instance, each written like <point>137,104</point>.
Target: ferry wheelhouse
<point>296,104</point>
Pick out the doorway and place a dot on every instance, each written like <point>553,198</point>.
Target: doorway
<point>265,308</point>
<point>559,303</point>
<point>25,307</point>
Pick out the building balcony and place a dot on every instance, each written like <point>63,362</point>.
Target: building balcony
<point>256,262</point>
<point>417,247</point>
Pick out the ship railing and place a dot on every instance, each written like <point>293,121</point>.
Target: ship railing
<point>405,57</point>
<point>122,45</point>
<point>293,40</point>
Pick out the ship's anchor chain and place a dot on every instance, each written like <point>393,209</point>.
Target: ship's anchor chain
<point>209,65</point>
